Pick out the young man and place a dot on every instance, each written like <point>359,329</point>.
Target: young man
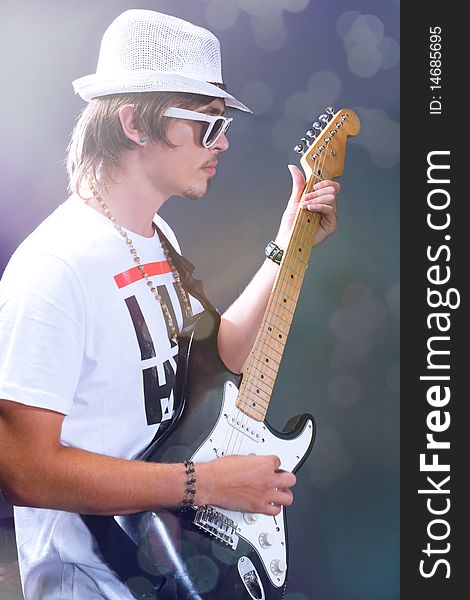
<point>91,305</point>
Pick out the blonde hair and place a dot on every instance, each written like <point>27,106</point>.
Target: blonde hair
<point>98,140</point>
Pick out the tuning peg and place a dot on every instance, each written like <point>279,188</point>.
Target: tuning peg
<point>305,142</point>
<point>330,111</point>
<point>323,118</point>
<point>317,127</point>
<point>311,134</point>
<point>299,148</point>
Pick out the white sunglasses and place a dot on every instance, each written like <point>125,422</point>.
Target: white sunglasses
<point>216,125</point>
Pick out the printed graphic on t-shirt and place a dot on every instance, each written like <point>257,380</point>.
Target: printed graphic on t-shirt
<point>158,371</point>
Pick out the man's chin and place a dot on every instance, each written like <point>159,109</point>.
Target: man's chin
<point>193,193</point>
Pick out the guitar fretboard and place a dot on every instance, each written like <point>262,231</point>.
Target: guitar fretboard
<point>262,366</point>
<point>323,159</point>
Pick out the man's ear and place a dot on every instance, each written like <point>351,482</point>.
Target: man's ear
<point>126,116</point>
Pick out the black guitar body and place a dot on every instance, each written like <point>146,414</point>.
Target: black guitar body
<point>205,553</point>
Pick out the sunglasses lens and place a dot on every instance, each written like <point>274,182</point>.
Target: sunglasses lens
<point>214,131</point>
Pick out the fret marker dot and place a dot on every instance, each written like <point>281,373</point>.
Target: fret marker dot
<point>280,336</point>
<point>285,300</point>
<point>257,391</point>
<point>292,277</point>
<point>300,249</point>
<point>262,376</point>
<point>267,360</point>
<point>253,403</point>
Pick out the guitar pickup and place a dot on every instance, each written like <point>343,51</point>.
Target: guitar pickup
<point>246,428</point>
<point>217,524</point>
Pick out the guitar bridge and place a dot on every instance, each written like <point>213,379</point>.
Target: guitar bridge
<point>217,525</point>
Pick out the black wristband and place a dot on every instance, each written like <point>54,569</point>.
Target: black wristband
<point>273,252</point>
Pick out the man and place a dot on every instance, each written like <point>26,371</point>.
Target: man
<point>91,305</point>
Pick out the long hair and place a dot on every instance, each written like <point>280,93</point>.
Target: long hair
<point>98,140</point>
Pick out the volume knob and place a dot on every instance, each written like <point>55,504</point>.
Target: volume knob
<point>278,566</point>
<point>266,540</point>
<point>250,518</point>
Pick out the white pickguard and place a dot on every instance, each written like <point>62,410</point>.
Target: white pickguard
<point>237,433</point>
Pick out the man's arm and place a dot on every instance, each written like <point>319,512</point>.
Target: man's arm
<point>37,470</point>
<point>241,321</point>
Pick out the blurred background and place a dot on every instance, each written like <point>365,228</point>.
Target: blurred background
<point>287,60</point>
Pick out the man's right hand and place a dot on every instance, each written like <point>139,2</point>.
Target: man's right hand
<point>245,483</point>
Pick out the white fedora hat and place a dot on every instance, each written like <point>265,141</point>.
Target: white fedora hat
<point>147,51</point>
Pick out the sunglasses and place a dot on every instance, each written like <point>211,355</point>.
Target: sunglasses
<point>216,125</point>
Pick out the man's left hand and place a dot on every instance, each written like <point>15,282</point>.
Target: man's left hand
<point>321,200</point>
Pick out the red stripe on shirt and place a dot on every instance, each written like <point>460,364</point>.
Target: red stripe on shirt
<point>135,274</point>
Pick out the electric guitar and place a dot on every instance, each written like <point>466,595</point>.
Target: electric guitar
<point>204,552</point>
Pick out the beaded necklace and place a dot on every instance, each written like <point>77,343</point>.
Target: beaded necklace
<point>152,288</point>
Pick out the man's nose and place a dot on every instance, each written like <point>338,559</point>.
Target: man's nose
<point>222,143</point>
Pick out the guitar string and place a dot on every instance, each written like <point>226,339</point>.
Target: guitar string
<point>263,346</point>
<point>300,226</point>
<point>298,231</point>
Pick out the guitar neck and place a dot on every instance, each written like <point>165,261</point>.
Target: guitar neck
<point>261,368</point>
<point>322,159</point>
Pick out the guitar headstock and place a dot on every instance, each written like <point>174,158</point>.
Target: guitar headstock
<point>323,148</point>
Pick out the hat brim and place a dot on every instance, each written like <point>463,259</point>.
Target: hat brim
<point>94,86</point>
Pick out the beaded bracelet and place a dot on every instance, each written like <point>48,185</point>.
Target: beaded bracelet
<point>190,490</point>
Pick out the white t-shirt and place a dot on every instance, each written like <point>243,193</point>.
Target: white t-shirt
<point>81,334</point>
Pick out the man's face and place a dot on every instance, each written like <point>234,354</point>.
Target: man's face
<point>187,169</point>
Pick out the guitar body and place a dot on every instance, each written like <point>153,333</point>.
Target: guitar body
<point>209,553</point>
